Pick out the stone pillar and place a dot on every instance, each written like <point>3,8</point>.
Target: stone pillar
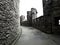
<point>9,21</point>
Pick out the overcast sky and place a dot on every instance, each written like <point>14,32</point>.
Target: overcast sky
<point>26,5</point>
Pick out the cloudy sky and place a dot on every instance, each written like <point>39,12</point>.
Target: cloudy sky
<point>26,5</point>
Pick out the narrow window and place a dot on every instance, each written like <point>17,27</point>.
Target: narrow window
<point>59,22</point>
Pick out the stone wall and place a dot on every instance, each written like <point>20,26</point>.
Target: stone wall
<point>9,21</point>
<point>55,16</point>
<point>52,13</point>
<point>47,7</point>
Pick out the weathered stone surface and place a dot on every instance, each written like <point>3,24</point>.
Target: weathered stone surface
<point>9,21</point>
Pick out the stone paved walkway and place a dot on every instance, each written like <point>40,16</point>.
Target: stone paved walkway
<point>32,36</point>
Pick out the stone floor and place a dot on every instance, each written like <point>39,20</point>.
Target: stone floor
<point>32,36</point>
